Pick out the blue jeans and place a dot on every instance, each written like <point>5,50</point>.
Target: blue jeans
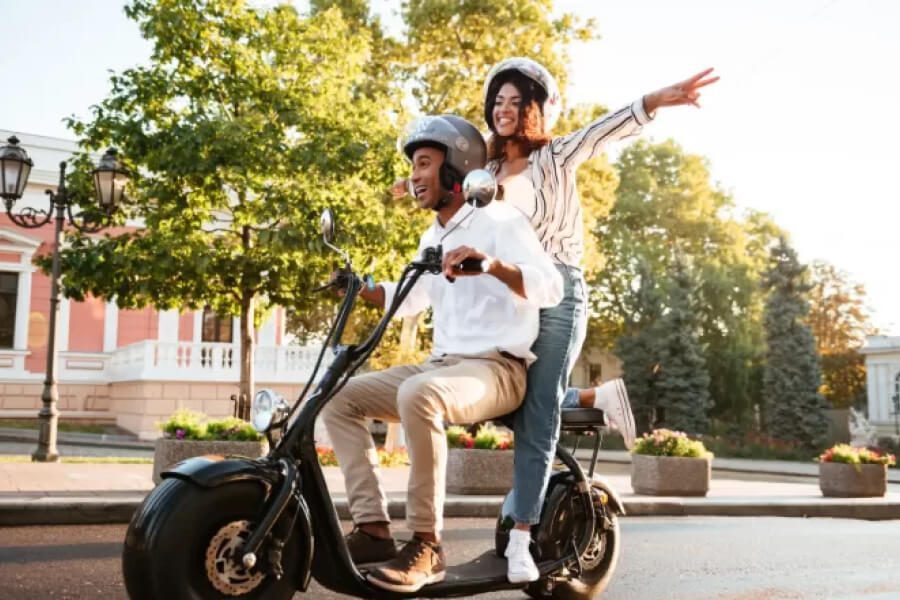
<point>536,423</point>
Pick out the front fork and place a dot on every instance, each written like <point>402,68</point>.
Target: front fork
<point>271,513</point>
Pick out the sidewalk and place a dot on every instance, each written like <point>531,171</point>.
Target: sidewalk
<point>32,493</point>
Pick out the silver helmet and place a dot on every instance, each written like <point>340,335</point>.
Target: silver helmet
<point>463,144</point>
<point>536,72</point>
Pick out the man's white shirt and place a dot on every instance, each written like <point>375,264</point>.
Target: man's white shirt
<point>480,313</point>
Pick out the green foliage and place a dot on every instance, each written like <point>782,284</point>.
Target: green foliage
<point>840,323</point>
<point>638,350</point>
<point>245,124</point>
<point>191,425</point>
<point>794,409</point>
<point>665,442</point>
<point>184,424</point>
<point>667,208</point>
<point>844,453</point>
<point>683,386</point>
<point>450,46</point>
<point>756,446</point>
<point>232,429</point>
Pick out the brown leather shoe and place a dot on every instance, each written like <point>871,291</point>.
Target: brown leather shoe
<point>366,548</point>
<point>417,564</point>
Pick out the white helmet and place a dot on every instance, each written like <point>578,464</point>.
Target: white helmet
<point>536,72</point>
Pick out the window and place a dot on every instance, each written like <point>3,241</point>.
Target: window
<point>215,328</point>
<point>9,287</point>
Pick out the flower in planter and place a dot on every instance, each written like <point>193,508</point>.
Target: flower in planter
<point>393,458</point>
<point>488,437</point>
<point>665,442</point>
<point>845,453</point>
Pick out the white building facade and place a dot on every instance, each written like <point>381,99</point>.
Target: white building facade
<point>883,382</point>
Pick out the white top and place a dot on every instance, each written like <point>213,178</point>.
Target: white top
<point>554,208</point>
<point>479,313</point>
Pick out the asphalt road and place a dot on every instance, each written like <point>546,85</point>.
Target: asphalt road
<point>663,558</point>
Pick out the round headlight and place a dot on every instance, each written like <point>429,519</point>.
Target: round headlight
<point>262,410</point>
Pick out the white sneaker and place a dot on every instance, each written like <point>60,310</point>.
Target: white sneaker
<point>612,398</point>
<point>520,567</point>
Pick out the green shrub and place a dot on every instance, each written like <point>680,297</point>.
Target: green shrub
<point>664,442</point>
<point>184,425</point>
<point>232,429</point>
<point>190,425</point>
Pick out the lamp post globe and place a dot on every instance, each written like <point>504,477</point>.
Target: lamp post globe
<point>15,166</point>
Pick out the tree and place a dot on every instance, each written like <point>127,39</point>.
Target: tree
<point>639,351</point>
<point>666,206</point>
<point>683,385</point>
<point>243,127</point>
<point>840,323</point>
<point>439,64</point>
<point>794,409</point>
<point>450,46</point>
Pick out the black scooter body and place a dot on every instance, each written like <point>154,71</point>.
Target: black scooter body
<point>298,508</point>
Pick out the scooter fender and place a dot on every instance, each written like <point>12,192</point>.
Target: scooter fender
<point>214,470</point>
<point>600,483</point>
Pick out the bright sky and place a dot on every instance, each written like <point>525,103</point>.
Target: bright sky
<point>804,124</point>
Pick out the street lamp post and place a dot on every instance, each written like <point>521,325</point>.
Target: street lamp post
<point>109,184</point>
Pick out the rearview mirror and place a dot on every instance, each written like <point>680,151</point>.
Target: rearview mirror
<point>326,225</point>
<point>479,187</point>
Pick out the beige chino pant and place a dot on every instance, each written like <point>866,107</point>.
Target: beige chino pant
<point>443,389</point>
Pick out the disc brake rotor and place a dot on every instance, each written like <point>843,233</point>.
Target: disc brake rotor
<point>223,564</point>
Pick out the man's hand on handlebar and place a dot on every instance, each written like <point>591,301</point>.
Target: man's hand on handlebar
<point>465,261</point>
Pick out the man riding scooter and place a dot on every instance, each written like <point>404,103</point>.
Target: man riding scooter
<point>484,324</point>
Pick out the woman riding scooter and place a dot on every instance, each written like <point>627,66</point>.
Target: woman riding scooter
<point>521,104</point>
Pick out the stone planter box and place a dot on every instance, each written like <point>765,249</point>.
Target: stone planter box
<point>841,480</point>
<point>471,471</point>
<point>670,475</point>
<point>168,452</point>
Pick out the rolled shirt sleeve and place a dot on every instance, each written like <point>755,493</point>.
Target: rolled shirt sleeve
<point>542,281</point>
<point>588,142</point>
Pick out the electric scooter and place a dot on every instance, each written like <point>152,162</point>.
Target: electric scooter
<point>219,528</point>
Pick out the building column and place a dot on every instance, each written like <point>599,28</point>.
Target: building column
<point>198,326</point>
<point>23,311</point>
<point>62,327</point>
<point>168,326</point>
<point>110,327</point>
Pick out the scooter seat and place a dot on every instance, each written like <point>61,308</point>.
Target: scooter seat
<point>583,417</point>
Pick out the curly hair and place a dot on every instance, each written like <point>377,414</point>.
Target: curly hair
<point>529,133</point>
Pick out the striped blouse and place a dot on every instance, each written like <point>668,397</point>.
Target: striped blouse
<point>554,208</point>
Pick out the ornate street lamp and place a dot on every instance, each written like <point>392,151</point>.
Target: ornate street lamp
<point>109,183</point>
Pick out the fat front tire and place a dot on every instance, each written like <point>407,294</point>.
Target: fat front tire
<point>180,544</point>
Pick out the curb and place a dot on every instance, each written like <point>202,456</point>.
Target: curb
<point>76,439</point>
<point>96,510</point>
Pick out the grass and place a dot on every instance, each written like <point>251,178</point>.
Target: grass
<point>62,426</point>
<point>79,460</point>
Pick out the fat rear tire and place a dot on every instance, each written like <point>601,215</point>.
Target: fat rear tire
<point>595,578</point>
<point>592,582</point>
<point>165,554</point>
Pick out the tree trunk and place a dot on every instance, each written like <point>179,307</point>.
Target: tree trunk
<point>247,343</point>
